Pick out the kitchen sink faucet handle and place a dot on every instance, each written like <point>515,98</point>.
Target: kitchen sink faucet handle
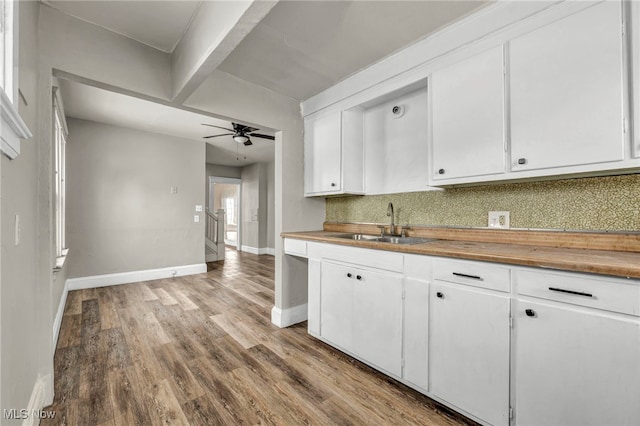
<point>404,230</point>
<point>381,230</point>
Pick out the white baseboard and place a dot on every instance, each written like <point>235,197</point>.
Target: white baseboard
<point>259,251</point>
<point>36,402</point>
<point>288,316</point>
<point>57,322</point>
<point>134,276</point>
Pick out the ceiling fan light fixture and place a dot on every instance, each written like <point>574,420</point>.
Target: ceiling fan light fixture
<point>240,138</point>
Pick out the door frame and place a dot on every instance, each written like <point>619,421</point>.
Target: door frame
<point>234,181</point>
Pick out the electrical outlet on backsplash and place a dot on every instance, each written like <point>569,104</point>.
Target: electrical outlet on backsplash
<point>599,203</point>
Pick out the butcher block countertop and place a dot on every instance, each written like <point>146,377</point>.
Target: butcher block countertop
<point>607,253</point>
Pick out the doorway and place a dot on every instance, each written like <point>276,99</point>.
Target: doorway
<point>226,194</point>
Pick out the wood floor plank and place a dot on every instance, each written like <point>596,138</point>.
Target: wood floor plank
<point>73,305</point>
<point>70,330</point>
<point>202,350</point>
<point>165,297</point>
<point>127,407</point>
<point>184,384</point>
<point>108,314</point>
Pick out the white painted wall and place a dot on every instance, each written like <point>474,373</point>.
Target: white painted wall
<point>25,309</point>
<point>120,211</point>
<point>228,96</point>
<point>92,52</point>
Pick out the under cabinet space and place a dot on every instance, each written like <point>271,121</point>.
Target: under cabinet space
<point>395,141</point>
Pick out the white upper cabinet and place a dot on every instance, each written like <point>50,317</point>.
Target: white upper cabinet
<point>566,91</point>
<point>333,153</point>
<point>635,47</point>
<point>467,110</point>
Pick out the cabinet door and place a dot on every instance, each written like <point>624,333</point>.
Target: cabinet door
<point>575,366</point>
<point>322,153</point>
<point>469,350</point>
<point>566,91</point>
<point>377,316</point>
<point>336,304</point>
<point>416,332</point>
<point>468,117</point>
<point>635,49</point>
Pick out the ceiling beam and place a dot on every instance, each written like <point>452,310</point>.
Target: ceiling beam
<point>214,33</point>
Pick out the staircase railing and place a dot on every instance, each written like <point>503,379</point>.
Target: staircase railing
<point>213,222</point>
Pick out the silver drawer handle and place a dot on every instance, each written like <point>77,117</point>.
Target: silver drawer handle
<point>577,293</point>
<point>475,277</point>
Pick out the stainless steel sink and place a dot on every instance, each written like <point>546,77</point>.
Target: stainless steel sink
<point>359,237</point>
<point>385,239</point>
<point>404,240</point>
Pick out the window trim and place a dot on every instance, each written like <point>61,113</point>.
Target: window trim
<point>60,132</point>
<point>13,128</point>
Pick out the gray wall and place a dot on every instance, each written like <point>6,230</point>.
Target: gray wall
<point>121,215</point>
<point>251,182</point>
<point>219,171</point>
<point>258,196</point>
<point>223,171</point>
<point>271,205</point>
<point>25,301</point>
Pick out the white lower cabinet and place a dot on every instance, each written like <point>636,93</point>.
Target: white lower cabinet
<point>361,312</point>
<point>575,366</point>
<point>576,357</point>
<point>469,350</point>
<point>504,345</point>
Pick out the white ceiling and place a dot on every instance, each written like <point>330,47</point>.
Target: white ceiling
<point>159,24</point>
<point>91,103</point>
<point>303,47</point>
<point>299,49</point>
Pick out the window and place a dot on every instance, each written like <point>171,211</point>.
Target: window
<point>60,141</point>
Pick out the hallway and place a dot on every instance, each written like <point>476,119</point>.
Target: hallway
<point>202,350</point>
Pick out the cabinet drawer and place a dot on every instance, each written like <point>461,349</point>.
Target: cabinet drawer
<point>378,259</point>
<point>295,247</point>
<point>476,274</point>
<point>577,290</point>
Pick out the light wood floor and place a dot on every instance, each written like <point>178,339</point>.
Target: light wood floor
<point>201,350</point>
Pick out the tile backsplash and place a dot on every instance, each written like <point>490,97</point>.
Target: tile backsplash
<point>601,203</point>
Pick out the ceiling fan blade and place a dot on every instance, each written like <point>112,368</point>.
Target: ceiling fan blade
<point>223,128</point>
<point>248,143</point>
<point>258,135</point>
<point>242,128</point>
<point>215,136</point>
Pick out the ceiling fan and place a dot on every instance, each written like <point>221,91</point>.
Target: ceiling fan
<point>241,133</point>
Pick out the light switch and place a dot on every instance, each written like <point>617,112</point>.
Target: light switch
<point>198,208</point>
<point>196,218</point>
<point>174,189</point>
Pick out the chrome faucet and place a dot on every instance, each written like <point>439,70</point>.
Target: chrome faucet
<point>392,226</point>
